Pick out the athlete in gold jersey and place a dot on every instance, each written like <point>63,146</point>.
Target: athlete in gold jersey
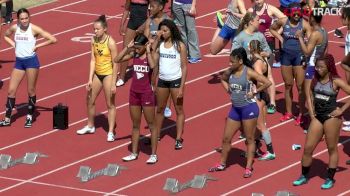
<point>102,75</point>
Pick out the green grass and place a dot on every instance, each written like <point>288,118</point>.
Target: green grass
<point>17,4</point>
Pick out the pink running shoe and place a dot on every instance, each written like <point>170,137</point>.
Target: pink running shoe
<point>248,173</point>
<point>299,120</point>
<point>217,167</point>
<point>286,116</point>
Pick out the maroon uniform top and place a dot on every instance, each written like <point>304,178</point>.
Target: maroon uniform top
<point>141,76</point>
<point>265,22</point>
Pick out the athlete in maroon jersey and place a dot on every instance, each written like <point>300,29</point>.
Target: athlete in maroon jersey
<point>141,97</point>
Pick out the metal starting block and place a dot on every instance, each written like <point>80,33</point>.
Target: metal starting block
<point>29,158</point>
<point>199,181</point>
<point>111,170</point>
<point>285,193</point>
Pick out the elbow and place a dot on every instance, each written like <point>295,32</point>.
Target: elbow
<point>269,83</point>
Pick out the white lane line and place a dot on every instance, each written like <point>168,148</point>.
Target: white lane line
<point>56,186</point>
<point>85,13</point>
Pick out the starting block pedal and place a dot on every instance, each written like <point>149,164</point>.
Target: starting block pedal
<point>199,181</point>
<point>285,193</point>
<point>86,175</point>
<point>29,158</point>
<point>171,185</point>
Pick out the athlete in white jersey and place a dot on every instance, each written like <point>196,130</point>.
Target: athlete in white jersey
<point>27,62</point>
<point>170,58</point>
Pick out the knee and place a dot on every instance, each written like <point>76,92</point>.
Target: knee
<point>250,140</point>
<point>213,50</point>
<point>332,149</point>
<point>288,85</point>
<point>179,110</point>
<point>160,109</point>
<point>110,106</point>
<point>226,141</point>
<point>300,90</point>
<point>89,101</point>
<point>136,126</point>
<point>308,151</point>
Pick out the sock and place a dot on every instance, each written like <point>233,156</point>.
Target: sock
<point>331,173</point>
<point>31,104</point>
<point>305,170</point>
<point>10,104</point>
<point>268,141</point>
<point>270,148</point>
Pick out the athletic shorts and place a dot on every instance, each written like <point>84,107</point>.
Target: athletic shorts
<point>142,99</point>
<point>309,72</point>
<point>263,96</point>
<point>27,62</point>
<point>291,58</point>
<point>227,32</point>
<point>244,113</point>
<point>138,15</point>
<point>169,84</point>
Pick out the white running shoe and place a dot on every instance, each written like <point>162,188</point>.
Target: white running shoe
<point>346,123</point>
<point>167,112</point>
<point>110,137</point>
<point>130,157</point>
<point>120,82</point>
<point>152,159</point>
<point>346,128</point>
<point>86,130</point>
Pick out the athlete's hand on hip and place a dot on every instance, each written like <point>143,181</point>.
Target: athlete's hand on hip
<point>34,49</point>
<point>336,113</point>
<point>250,95</point>
<point>268,33</point>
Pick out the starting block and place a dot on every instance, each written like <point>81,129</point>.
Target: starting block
<point>199,181</point>
<point>86,175</point>
<point>29,158</point>
<point>285,193</point>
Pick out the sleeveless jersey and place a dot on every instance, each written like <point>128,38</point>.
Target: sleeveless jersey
<point>103,57</point>
<point>325,98</point>
<point>141,76</point>
<point>25,42</point>
<point>265,22</point>
<point>169,63</point>
<point>291,42</point>
<point>319,49</point>
<point>153,27</point>
<point>239,86</point>
<point>232,21</point>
